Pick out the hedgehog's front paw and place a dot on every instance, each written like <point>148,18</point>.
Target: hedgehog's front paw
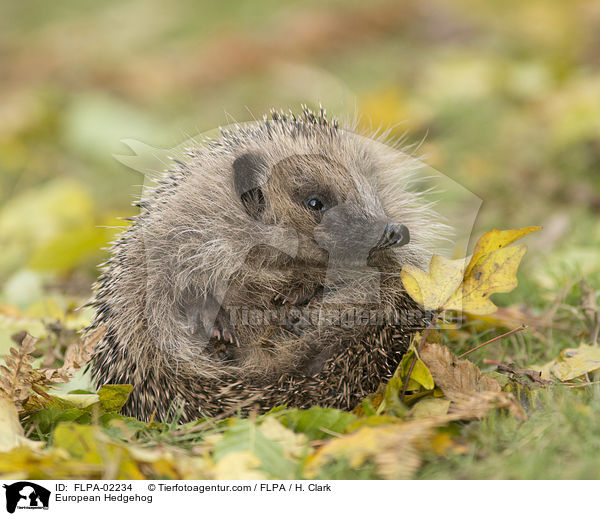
<point>222,338</point>
<point>220,330</point>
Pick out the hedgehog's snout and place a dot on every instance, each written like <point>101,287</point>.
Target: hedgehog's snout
<point>394,234</point>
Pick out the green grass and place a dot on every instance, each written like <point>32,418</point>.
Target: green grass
<point>560,440</point>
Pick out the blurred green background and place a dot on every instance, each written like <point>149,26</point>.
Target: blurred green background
<point>503,97</point>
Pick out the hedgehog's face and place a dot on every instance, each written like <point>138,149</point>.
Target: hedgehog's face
<point>336,214</point>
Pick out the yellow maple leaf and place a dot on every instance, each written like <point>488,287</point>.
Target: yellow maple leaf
<point>432,290</point>
<point>450,285</point>
<point>494,272</point>
<point>497,239</point>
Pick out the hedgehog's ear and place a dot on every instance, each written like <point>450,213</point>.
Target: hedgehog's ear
<point>249,181</point>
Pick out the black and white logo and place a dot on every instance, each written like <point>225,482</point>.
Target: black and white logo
<point>26,495</point>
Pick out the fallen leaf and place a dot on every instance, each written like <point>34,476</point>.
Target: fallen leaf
<point>476,405</point>
<point>11,431</point>
<point>294,445</point>
<point>510,317</point>
<point>79,400</point>
<point>113,397</point>
<point>90,445</point>
<point>16,375</point>
<point>450,286</point>
<point>376,420</point>
<point>317,422</point>
<point>443,444</point>
<point>453,375</point>
<point>420,375</point>
<point>495,272</point>
<point>241,465</point>
<point>573,363</point>
<point>430,407</point>
<point>393,449</point>
<point>472,393</point>
<point>433,290</point>
<point>245,435</point>
<point>497,239</point>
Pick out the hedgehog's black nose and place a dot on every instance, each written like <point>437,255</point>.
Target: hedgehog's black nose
<point>394,234</point>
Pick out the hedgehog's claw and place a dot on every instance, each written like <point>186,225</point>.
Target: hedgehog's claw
<point>223,338</point>
<point>229,337</point>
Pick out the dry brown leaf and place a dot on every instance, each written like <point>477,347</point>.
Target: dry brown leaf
<point>79,352</point>
<point>511,317</point>
<point>473,394</point>
<point>78,355</point>
<point>453,375</point>
<point>18,379</point>
<point>16,375</point>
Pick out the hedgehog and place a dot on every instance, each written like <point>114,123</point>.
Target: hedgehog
<point>264,270</point>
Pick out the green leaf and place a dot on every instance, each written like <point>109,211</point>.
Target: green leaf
<point>245,436</point>
<point>121,427</point>
<point>391,397</point>
<point>420,376</point>
<point>79,400</point>
<point>113,397</point>
<point>318,422</point>
<point>78,440</point>
<point>47,419</point>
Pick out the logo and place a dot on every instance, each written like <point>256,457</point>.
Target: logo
<point>26,495</point>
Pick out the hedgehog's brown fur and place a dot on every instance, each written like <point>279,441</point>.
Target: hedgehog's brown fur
<point>227,229</point>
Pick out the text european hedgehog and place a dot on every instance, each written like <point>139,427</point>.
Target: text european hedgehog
<point>265,270</point>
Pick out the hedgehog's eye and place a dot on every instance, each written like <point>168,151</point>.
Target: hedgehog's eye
<point>315,204</point>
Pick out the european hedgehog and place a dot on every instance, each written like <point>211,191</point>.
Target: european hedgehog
<point>265,270</point>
